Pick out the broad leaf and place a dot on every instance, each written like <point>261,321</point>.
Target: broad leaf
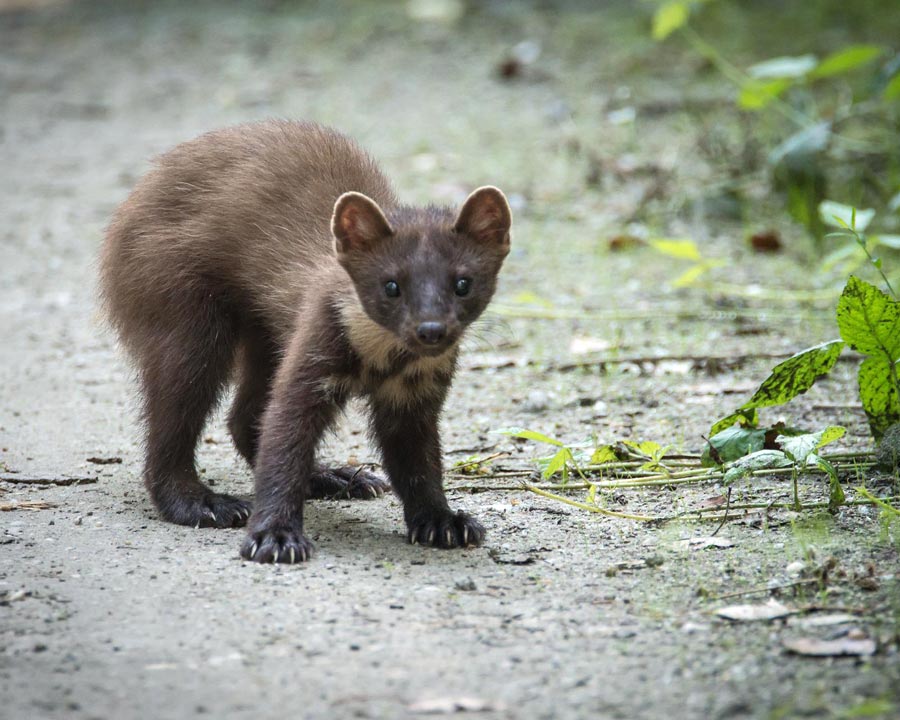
<point>837,214</point>
<point>799,447</point>
<point>795,375</point>
<point>878,392</point>
<point>524,434</point>
<point>669,17</point>
<point>760,460</point>
<point>869,320</point>
<point>733,443</point>
<point>783,67</point>
<point>746,417</point>
<point>645,447</point>
<point>787,380</point>
<point>604,454</point>
<point>847,59</point>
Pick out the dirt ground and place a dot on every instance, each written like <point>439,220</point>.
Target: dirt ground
<point>594,132</point>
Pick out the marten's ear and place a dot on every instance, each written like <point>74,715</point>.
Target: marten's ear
<point>357,223</point>
<point>485,216</point>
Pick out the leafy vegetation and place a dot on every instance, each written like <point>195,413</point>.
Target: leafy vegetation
<point>869,322</point>
<point>828,137</point>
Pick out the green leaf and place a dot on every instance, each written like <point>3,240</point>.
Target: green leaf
<point>787,380</point>
<point>524,434</point>
<point>795,375</point>
<point>733,443</point>
<point>892,89</point>
<point>840,215</point>
<point>670,17</point>
<point>799,447</point>
<point>604,454</point>
<point>783,67</point>
<point>878,392</point>
<point>645,447</point>
<point>760,460</point>
<point>836,496</point>
<point>757,94</point>
<point>869,320</point>
<point>557,463</point>
<point>748,418</point>
<point>677,248</point>
<point>845,60</point>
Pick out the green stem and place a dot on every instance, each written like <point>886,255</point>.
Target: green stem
<point>861,241</point>
<point>590,508</point>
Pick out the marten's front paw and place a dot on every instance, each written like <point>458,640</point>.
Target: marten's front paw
<point>277,545</point>
<point>445,529</point>
<point>347,482</point>
<point>206,509</point>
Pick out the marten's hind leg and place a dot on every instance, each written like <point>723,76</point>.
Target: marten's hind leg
<point>350,481</point>
<point>184,365</point>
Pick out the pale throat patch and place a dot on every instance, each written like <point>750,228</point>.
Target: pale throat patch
<point>378,348</point>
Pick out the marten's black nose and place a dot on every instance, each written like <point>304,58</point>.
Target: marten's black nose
<point>431,333</point>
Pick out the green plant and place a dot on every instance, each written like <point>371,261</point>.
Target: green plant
<point>827,135</point>
<point>869,322</point>
<point>562,461</point>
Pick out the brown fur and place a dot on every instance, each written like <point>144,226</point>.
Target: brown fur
<point>262,251</point>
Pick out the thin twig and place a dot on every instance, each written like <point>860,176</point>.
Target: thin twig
<point>45,480</point>
<point>725,516</point>
<point>766,588</point>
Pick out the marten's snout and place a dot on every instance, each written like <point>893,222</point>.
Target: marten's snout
<point>431,332</point>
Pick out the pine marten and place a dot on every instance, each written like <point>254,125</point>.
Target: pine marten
<point>278,253</point>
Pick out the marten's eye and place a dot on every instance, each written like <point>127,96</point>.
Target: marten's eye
<point>463,286</point>
<point>391,289</point>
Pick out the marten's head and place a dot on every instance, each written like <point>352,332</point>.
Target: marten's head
<point>424,274</point>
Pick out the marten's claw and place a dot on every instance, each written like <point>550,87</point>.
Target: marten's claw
<point>204,509</point>
<point>286,545</point>
<point>347,482</point>
<point>445,529</point>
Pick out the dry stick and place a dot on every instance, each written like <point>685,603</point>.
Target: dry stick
<point>57,480</point>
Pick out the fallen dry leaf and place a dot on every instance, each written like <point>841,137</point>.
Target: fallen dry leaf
<point>831,648</point>
<point>770,610</point>
<point>766,242</point>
